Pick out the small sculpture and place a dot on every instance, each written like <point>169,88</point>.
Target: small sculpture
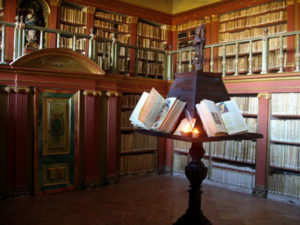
<point>199,43</point>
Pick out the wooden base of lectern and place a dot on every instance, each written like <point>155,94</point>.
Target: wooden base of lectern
<point>196,172</point>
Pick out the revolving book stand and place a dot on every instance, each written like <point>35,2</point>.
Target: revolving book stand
<point>192,87</point>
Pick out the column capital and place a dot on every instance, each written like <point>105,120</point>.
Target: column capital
<point>113,93</point>
<point>291,2</point>
<point>171,28</point>
<point>214,18</point>
<point>264,95</point>
<point>91,10</point>
<point>54,2</point>
<point>17,89</point>
<point>207,19</point>
<point>134,19</point>
<point>92,93</point>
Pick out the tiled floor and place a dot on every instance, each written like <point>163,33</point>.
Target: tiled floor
<point>151,200</point>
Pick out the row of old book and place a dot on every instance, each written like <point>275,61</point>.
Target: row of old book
<point>285,103</point>
<point>255,10</point>
<point>123,38</point>
<point>149,43</point>
<point>74,29</point>
<point>129,101</point>
<point>285,130</point>
<point>150,56</point>
<point>240,151</point>
<point>247,104</point>
<point>66,42</point>
<point>284,184</point>
<point>135,142</point>
<point>71,15</point>
<point>251,32</point>
<point>184,146</point>
<point>285,156</point>
<point>151,31</point>
<point>111,26</point>
<point>137,164</point>
<point>112,17</point>
<point>103,63</point>
<point>190,24</point>
<point>253,21</point>
<point>150,68</point>
<point>244,48</point>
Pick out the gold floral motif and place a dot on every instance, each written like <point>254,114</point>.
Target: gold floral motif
<point>16,89</point>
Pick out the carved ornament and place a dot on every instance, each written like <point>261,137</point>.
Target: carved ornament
<point>92,93</point>
<point>113,93</point>
<point>214,18</point>
<point>18,89</point>
<point>264,95</point>
<point>207,19</point>
<point>91,10</point>
<point>54,2</point>
<point>171,28</point>
<point>290,2</point>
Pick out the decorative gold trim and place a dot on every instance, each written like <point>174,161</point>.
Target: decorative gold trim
<point>54,2</point>
<point>261,79</point>
<point>91,10</point>
<point>207,19</point>
<point>264,95</point>
<point>92,92</point>
<point>214,18</point>
<point>134,19</point>
<point>171,28</point>
<point>16,89</point>
<point>290,2</point>
<point>113,93</point>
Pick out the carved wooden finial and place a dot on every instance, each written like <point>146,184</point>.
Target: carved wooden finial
<point>199,43</point>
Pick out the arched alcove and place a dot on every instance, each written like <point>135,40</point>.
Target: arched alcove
<point>59,59</point>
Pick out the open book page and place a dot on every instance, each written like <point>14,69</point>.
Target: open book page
<point>135,113</point>
<point>172,116</point>
<point>151,108</point>
<point>232,117</point>
<point>211,120</point>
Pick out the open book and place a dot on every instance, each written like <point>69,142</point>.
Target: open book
<point>221,118</point>
<point>154,112</point>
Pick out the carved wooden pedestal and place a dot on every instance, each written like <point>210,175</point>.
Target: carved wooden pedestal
<point>196,172</point>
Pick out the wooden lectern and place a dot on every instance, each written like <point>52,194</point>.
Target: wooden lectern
<point>192,87</point>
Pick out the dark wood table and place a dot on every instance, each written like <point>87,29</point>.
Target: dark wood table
<point>196,172</point>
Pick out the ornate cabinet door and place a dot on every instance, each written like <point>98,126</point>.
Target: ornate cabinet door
<point>56,140</point>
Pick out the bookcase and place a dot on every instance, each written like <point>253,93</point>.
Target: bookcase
<point>231,162</point>
<point>284,149</point>
<point>150,36</point>
<point>250,23</point>
<point>73,18</point>
<point>138,154</point>
<point>116,26</point>
<point>185,37</point>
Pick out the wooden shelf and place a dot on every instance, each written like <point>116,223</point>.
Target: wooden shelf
<point>286,116</point>
<point>283,169</point>
<point>153,39</point>
<point>72,23</point>
<point>111,30</point>
<point>110,21</point>
<point>138,152</point>
<point>223,159</point>
<point>127,129</point>
<point>285,142</point>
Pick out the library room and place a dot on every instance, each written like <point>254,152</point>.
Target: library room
<point>157,112</point>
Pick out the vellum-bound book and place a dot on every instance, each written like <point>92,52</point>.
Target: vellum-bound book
<point>223,118</point>
<point>153,112</point>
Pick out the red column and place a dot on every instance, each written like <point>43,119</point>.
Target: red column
<point>161,154</point>
<point>169,155</point>
<point>291,39</point>
<point>9,16</point>
<point>262,145</point>
<point>172,40</point>
<point>91,134</point>
<point>53,22</point>
<point>208,41</point>
<point>133,41</point>
<point>214,38</point>
<point>19,155</point>
<point>113,135</point>
<point>297,18</point>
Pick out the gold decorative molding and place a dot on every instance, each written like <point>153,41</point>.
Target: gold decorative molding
<point>207,19</point>
<point>16,89</point>
<point>92,92</point>
<point>264,95</point>
<point>113,93</point>
<point>54,2</point>
<point>134,19</point>
<point>171,28</point>
<point>290,2</point>
<point>214,18</point>
<point>91,10</point>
